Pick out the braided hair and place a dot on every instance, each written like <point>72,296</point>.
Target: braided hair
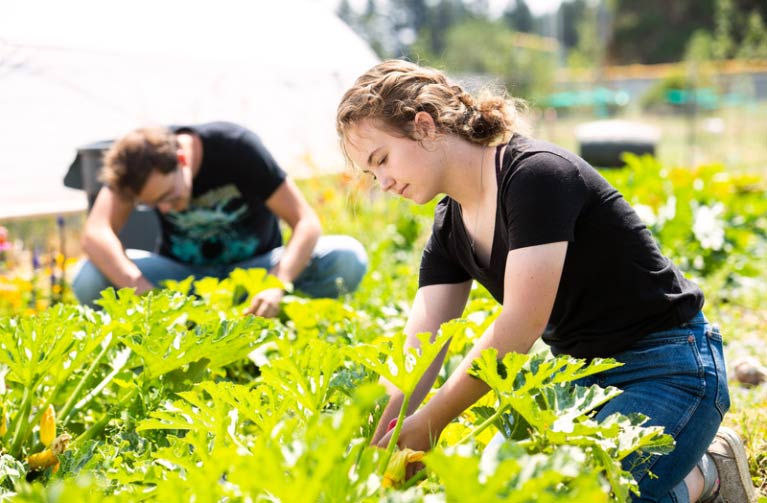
<point>394,91</point>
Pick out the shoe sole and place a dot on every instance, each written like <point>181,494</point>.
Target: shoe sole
<point>741,460</point>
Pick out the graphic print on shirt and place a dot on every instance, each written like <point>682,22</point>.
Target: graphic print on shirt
<point>211,230</point>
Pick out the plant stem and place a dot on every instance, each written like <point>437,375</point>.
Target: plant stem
<point>395,434</point>
<point>414,480</point>
<point>66,409</point>
<point>487,422</point>
<point>22,419</point>
<point>99,425</point>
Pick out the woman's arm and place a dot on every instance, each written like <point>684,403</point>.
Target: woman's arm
<point>432,306</point>
<point>531,281</point>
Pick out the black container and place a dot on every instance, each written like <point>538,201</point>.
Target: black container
<point>602,143</point>
<point>142,230</point>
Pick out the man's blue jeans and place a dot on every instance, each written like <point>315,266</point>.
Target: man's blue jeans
<point>337,266</point>
<point>678,379</point>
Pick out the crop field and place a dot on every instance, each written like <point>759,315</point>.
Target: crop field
<point>175,396</point>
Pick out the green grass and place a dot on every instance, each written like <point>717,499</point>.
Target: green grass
<point>734,136</point>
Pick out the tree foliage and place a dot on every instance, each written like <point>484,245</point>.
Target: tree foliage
<point>641,30</point>
<point>588,33</point>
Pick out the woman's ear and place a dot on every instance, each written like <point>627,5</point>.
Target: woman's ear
<point>425,128</point>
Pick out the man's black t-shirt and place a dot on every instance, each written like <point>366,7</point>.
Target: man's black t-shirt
<point>616,286</point>
<point>227,220</point>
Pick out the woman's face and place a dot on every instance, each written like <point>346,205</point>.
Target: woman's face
<point>402,166</point>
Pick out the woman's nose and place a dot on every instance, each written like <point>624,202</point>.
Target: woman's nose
<point>386,183</point>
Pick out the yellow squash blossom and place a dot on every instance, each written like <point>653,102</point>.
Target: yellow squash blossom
<point>395,470</point>
<point>50,455</point>
<point>42,460</point>
<point>48,426</point>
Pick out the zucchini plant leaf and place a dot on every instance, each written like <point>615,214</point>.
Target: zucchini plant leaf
<point>401,366</point>
<point>167,331</point>
<point>506,472</point>
<point>305,374</point>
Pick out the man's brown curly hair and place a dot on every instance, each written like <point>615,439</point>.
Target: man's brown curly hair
<point>132,158</point>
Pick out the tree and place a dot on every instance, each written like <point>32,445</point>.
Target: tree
<point>658,31</point>
<point>613,31</point>
<point>754,44</point>
<point>518,17</point>
<point>724,44</point>
<point>588,51</point>
<point>525,63</point>
<point>442,16</point>
<point>643,33</point>
<point>570,16</point>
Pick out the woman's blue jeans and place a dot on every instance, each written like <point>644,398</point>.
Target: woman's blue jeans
<point>678,379</point>
<point>337,266</point>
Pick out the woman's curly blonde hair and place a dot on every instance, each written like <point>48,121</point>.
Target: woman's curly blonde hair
<point>394,91</point>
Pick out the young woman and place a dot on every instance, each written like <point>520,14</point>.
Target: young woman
<point>565,255</point>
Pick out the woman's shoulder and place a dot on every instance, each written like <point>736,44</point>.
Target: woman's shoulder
<point>526,150</point>
<point>527,159</point>
<point>446,219</point>
<point>443,211</point>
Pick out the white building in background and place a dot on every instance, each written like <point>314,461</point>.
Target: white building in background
<point>79,71</point>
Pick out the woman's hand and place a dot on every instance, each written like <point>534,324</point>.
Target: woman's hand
<point>417,433</point>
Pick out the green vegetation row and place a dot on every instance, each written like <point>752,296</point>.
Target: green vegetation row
<point>174,396</point>
<point>171,397</point>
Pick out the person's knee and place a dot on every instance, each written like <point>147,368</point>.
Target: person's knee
<point>88,282</point>
<point>339,264</point>
<point>351,263</point>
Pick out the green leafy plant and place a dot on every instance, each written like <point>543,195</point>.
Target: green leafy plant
<point>174,395</point>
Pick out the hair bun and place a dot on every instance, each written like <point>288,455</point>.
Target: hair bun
<point>465,98</point>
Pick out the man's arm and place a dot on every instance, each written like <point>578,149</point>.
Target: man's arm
<point>289,205</point>
<point>432,306</point>
<point>103,247</point>
<point>530,286</point>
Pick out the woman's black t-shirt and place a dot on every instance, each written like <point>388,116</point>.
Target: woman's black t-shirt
<point>616,286</point>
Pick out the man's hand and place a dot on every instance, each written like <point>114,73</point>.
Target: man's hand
<point>266,303</point>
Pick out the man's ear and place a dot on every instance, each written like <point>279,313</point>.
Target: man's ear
<point>181,156</point>
<point>425,128</point>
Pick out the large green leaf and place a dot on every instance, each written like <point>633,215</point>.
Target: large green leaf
<point>168,331</point>
<point>506,472</point>
<point>401,366</point>
<point>51,345</point>
<point>305,374</point>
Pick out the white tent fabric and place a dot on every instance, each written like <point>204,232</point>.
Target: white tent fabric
<point>79,71</point>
